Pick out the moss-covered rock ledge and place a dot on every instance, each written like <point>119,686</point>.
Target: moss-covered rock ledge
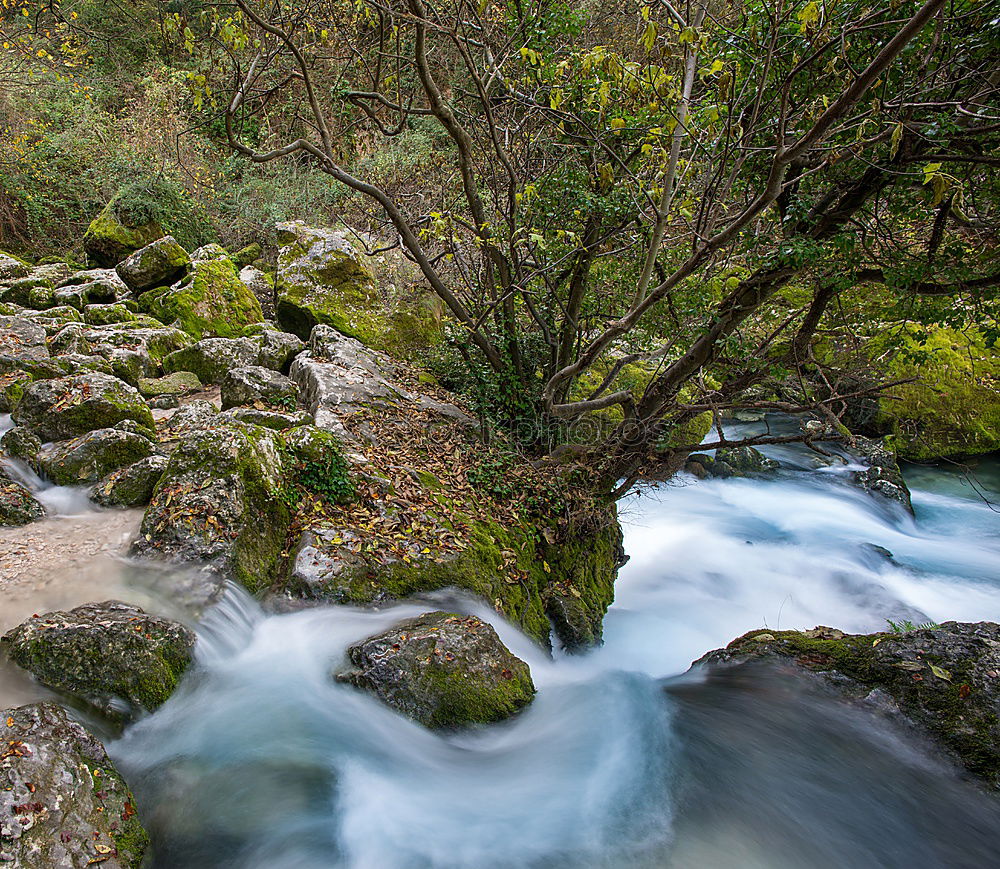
<point>945,679</point>
<point>433,507</point>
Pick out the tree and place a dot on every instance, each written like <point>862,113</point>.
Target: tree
<point>633,190</point>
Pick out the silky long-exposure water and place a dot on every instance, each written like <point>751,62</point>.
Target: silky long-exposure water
<point>262,760</point>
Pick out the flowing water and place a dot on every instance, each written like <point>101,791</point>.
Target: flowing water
<point>262,760</point>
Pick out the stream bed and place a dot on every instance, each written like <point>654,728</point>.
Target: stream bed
<point>623,759</point>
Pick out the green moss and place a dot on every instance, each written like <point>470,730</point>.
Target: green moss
<point>213,302</point>
<point>953,409</point>
<point>108,241</point>
<point>248,255</point>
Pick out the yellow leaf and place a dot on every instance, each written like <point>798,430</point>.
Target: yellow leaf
<point>940,672</point>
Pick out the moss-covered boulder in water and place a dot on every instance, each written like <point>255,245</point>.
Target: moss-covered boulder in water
<point>62,802</point>
<point>945,679</point>
<point>69,406</point>
<point>219,504</point>
<point>131,486</point>
<point>108,241</point>
<point>953,407</point>
<point>212,301</point>
<point>882,476</point>
<point>154,265</point>
<point>17,506</point>
<point>90,457</point>
<point>102,651</point>
<point>443,670</point>
<point>324,277</point>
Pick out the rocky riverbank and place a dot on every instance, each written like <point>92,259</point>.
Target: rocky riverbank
<point>303,464</point>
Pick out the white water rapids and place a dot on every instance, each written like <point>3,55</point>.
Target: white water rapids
<point>261,760</point>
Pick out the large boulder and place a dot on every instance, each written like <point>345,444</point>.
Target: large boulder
<point>63,805</point>
<point>324,277</point>
<point>131,486</point>
<point>211,301</point>
<point>219,503</point>
<point>945,679</point>
<point>443,670</point>
<point>88,458</point>
<point>250,384</point>
<point>69,406</point>
<point>109,240</point>
<point>101,652</point>
<point>17,506</point>
<point>176,383</point>
<point>155,265</point>
<point>212,358</point>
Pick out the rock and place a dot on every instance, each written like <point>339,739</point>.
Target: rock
<point>99,283</point>
<point>212,358</point>
<point>175,383</point>
<point>131,486</point>
<point>69,406</point>
<point>261,286</point>
<point>63,805</point>
<point>21,443</point>
<point>79,296</point>
<point>108,314</point>
<point>108,240</point>
<point>100,652</point>
<point>209,252</point>
<point>443,670</point>
<point>271,419</point>
<point>29,292</point>
<point>324,277</point>
<point>21,341</point>
<point>882,476</point>
<point>159,263</point>
<point>90,457</point>
<point>247,255</point>
<point>11,268</point>
<point>17,506</point>
<point>945,679</point>
<point>211,301</point>
<point>277,349</point>
<point>193,416</point>
<point>250,384</point>
<point>745,461</point>
<point>219,503</point>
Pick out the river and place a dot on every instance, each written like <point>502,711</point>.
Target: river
<point>262,760</point>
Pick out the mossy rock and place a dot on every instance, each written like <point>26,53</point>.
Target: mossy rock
<point>211,302</point>
<point>324,278</point>
<point>102,651</point>
<point>108,241</point>
<point>568,584</point>
<point>12,267</point>
<point>90,457</point>
<point>108,314</point>
<point>131,486</point>
<point>218,504</point>
<point>443,670</point>
<point>154,265</point>
<point>248,255</point>
<point>942,678</point>
<point>175,383</point>
<point>17,506</point>
<point>69,406</point>
<point>953,408</point>
<point>77,810</point>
